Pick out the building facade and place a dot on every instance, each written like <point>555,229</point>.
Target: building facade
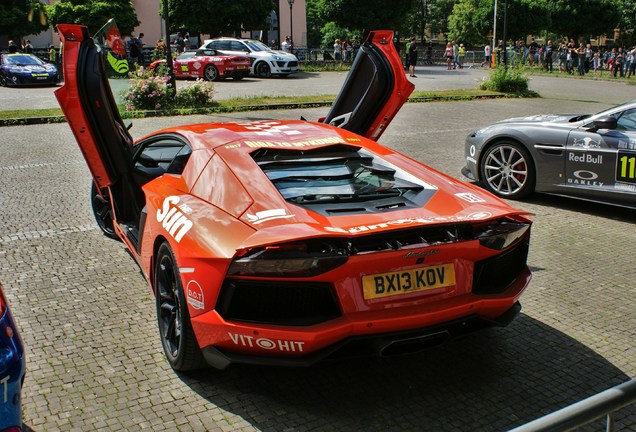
<point>290,19</point>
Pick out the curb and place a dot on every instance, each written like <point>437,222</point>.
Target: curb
<point>194,111</point>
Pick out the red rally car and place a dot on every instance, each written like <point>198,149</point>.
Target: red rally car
<point>207,64</point>
<point>288,242</point>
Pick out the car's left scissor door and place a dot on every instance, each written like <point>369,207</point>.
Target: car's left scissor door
<point>90,109</point>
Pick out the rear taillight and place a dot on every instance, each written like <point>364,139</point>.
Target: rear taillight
<point>501,235</point>
<point>302,259</point>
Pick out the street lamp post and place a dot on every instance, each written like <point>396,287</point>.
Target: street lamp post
<point>291,25</point>
<point>169,65</point>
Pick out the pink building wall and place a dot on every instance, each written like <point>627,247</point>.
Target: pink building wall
<point>153,27</point>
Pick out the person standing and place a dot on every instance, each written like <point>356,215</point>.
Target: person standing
<point>337,50</point>
<point>448,53</point>
<point>532,51</point>
<point>347,49</point>
<point>286,45</point>
<point>13,48</point>
<point>406,57</point>
<point>412,57</point>
<point>52,55</point>
<point>455,54</point>
<point>486,55</point>
<point>27,47</point>
<point>581,55</point>
<point>631,68</point>
<point>460,56</point>
<point>548,56</point>
<point>140,44</point>
<point>133,50</point>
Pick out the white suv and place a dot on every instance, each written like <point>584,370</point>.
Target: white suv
<point>265,61</point>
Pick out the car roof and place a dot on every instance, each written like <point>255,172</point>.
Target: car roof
<point>231,38</point>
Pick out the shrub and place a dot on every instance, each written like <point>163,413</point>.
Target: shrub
<point>198,94</point>
<point>506,80</point>
<point>147,92</point>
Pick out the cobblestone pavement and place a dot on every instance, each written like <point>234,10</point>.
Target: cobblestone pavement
<point>95,360</point>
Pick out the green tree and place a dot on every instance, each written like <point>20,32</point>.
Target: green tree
<point>627,23</point>
<point>331,31</point>
<point>219,17</point>
<point>438,16</point>
<point>94,14</point>
<point>22,17</point>
<point>365,15</point>
<point>472,20</point>
<point>314,24</point>
<point>575,18</point>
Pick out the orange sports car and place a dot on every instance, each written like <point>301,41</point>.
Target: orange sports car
<point>289,242</point>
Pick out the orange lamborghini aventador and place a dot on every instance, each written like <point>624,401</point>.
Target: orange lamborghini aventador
<point>289,242</point>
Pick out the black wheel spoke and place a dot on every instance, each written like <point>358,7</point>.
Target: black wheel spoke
<point>177,338</point>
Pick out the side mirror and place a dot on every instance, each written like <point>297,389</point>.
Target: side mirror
<point>607,122</point>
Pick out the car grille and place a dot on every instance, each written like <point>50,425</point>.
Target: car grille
<point>282,64</point>
<point>422,237</point>
<point>494,275</point>
<point>280,303</point>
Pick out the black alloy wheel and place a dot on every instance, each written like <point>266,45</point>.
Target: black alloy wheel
<point>177,337</point>
<point>103,212</point>
<point>262,69</point>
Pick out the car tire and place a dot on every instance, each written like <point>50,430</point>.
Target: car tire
<point>3,79</point>
<point>103,212</point>
<point>210,73</point>
<point>262,69</point>
<point>507,170</point>
<point>177,337</point>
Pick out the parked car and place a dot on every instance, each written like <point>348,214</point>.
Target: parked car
<point>590,157</point>
<point>12,370</point>
<point>265,61</point>
<point>208,64</point>
<point>290,241</point>
<point>26,69</point>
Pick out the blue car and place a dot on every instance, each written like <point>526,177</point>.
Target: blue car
<point>26,69</point>
<point>12,370</point>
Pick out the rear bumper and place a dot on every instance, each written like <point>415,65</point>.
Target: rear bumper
<point>385,344</point>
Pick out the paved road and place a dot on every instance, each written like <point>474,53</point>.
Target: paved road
<point>329,83</point>
<point>95,361</point>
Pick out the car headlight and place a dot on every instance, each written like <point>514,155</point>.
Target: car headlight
<point>278,58</point>
<point>499,236</point>
<point>309,258</point>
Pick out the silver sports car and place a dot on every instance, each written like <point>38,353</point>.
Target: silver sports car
<point>591,157</point>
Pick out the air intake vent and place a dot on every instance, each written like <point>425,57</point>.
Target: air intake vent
<point>341,179</point>
<point>281,303</point>
<point>494,275</point>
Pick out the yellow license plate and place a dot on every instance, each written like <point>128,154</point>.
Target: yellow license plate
<point>241,67</point>
<point>406,281</point>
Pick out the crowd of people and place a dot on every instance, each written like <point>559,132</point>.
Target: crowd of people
<point>345,50</point>
<point>571,57</point>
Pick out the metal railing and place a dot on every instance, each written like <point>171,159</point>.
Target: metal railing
<point>586,411</point>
